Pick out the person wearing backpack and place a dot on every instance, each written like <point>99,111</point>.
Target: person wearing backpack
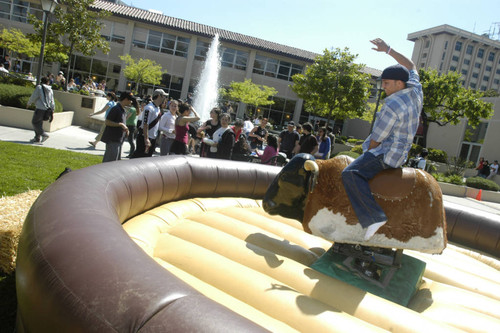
<point>148,130</point>
<point>43,98</point>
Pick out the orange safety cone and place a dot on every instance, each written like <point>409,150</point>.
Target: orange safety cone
<point>478,196</point>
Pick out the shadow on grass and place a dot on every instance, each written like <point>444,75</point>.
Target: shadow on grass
<point>8,302</point>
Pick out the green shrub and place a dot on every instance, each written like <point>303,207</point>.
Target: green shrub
<point>352,141</point>
<point>452,179</point>
<point>483,184</point>
<point>16,79</point>
<point>415,150</point>
<point>457,166</point>
<point>348,153</point>
<point>17,96</point>
<point>357,149</point>
<point>437,155</point>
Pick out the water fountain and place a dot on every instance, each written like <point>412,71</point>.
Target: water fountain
<point>206,92</point>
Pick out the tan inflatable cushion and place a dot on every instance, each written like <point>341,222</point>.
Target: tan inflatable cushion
<point>257,265</point>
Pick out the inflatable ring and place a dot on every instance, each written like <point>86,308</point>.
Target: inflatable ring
<point>182,244</point>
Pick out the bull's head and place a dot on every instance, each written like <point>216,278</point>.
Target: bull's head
<point>287,194</point>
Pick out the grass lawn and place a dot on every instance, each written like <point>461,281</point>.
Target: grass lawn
<point>26,168</point>
<point>34,168</point>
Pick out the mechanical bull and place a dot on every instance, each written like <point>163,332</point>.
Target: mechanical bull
<point>312,192</point>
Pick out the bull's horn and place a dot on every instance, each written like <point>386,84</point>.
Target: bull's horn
<point>311,166</point>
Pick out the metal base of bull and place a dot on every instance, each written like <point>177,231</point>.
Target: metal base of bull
<point>369,262</point>
<point>384,272</point>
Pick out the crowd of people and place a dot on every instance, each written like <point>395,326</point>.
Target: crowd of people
<point>173,126</point>
<point>487,170</point>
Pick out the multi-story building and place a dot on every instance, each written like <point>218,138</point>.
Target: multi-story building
<point>477,58</point>
<point>446,48</point>
<point>180,46</point>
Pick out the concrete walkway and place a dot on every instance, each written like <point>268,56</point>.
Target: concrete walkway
<point>75,138</point>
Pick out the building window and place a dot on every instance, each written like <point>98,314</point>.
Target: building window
<point>160,42</point>
<point>472,142</point>
<point>140,37</point>
<point>98,70</point>
<point>454,58</point>
<point>279,113</point>
<point>427,44</point>
<point>475,75</point>
<point>466,62</point>
<point>488,68</point>
<point>480,53</point>
<point>464,71</point>
<point>114,31</point>
<point>469,50</point>
<point>18,10</point>
<point>445,45</point>
<point>275,68</point>
<point>486,78</point>
<point>496,81</point>
<point>5,9</point>
<point>458,46</point>
<point>234,59</point>
<point>473,85</point>
<point>424,55</point>
<point>453,68</point>
<point>477,65</point>
<point>483,88</point>
<point>201,50</point>
<point>444,55</point>
<point>498,71</point>
<point>491,56</point>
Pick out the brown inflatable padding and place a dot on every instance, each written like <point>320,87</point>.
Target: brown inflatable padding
<point>79,271</point>
<point>473,228</point>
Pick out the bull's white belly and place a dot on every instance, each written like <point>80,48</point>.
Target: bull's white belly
<point>333,227</point>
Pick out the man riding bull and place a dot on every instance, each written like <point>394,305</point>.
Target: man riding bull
<point>388,144</point>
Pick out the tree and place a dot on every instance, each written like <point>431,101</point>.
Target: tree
<point>249,93</point>
<point>447,102</point>
<point>333,86</point>
<point>74,29</point>
<point>15,41</point>
<point>142,71</point>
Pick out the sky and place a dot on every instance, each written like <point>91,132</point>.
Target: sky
<point>316,25</point>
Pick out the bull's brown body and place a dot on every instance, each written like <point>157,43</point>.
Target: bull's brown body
<point>411,199</point>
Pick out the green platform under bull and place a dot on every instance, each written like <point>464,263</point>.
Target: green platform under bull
<point>401,287</point>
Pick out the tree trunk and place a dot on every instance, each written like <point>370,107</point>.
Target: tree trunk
<point>68,76</point>
<point>425,128</point>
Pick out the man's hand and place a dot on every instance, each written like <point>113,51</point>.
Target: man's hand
<point>381,46</point>
<point>147,143</point>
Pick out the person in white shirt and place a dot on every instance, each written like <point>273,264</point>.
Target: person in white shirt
<point>43,98</point>
<point>167,128</point>
<point>247,126</point>
<point>422,162</point>
<point>493,170</point>
<point>146,137</point>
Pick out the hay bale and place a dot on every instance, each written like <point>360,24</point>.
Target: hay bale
<point>13,211</point>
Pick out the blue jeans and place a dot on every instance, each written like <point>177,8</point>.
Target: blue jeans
<point>355,178</point>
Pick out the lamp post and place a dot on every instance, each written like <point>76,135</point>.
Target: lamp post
<point>379,92</point>
<point>48,6</point>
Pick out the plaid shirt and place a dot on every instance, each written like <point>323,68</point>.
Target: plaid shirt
<point>397,122</point>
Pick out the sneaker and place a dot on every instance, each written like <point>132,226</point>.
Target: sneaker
<point>372,229</point>
<point>44,138</point>
<point>34,141</point>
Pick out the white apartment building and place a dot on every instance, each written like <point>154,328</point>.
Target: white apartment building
<point>446,48</point>
<point>477,58</point>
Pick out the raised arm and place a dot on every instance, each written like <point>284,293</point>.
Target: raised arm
<point>381,46</point>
